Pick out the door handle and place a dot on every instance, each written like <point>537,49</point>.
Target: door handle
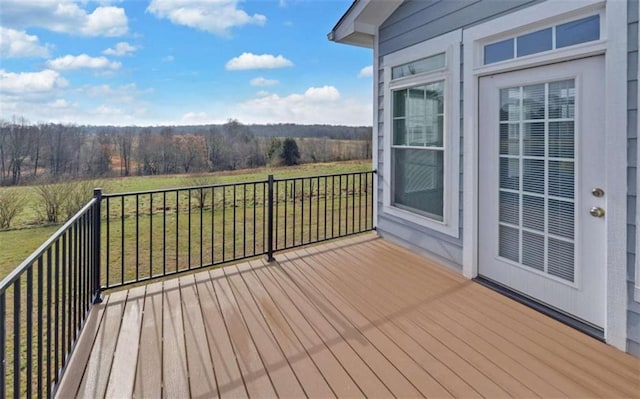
<point>596,212</point>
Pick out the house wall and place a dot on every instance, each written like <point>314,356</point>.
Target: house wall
<point>418,20</point>
<point>413,22</point>
<point>633,312</point>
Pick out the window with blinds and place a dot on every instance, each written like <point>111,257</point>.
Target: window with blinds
<point>418,149</point>
<point>537,177</point>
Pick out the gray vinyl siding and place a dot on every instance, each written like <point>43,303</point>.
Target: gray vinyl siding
<point>418,20</point>
<point>633,312</point>
<point>413,22</point>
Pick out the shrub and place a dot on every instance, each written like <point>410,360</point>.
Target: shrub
<point>51,197</point>
<point>11,203</point>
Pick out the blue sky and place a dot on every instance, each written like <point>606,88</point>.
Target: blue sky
<point>180,62</point>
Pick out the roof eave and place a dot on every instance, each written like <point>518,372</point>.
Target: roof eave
<point>360,23</point>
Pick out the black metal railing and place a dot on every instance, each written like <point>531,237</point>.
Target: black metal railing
<point>154,234</point>
<point>44,304</point>
<point>121,239</point>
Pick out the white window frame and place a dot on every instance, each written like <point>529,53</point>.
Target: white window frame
<point>613,43</point>
<point>449,44</point>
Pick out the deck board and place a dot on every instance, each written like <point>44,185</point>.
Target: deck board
<point>349,318</point>
<point>416,340</point>
<point>174,358</point>
<point>202,381</point>
<point>123,370</point>
<point>96,374</point>
<point>330,368</point>
<point>227,372</point>
<point>148,382</point>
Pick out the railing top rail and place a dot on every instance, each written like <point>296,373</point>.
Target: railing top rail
<point>17,272</point>
<point>323,176</point>
<point>168,190</point>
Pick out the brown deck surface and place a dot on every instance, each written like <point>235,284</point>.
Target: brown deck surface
<point>353,318</point>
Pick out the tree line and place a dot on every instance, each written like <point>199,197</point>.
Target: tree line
<point>50,152</point>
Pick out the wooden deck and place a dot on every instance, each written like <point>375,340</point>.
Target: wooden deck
<point>353,318</point>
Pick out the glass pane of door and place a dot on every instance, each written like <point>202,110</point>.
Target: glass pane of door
<point>537,177</point>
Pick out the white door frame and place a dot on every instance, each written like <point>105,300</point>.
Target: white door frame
<point>614,43</point>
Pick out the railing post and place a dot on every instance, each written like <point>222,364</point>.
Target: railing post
<point>270,221</point>
<point>97,239</point>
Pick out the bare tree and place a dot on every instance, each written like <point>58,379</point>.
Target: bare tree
<point>97,155</point>
<point>64,149</point>
<point>124,143</point>
<point>18,148</point>
<point>4,134</point>
<point>190,151</point>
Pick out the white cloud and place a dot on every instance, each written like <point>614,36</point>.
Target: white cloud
<point>254,61</point>
<point>366,72</point>
<point>25,83</point>
<point>321,105</point>
<point>195,118</point>
<point>105,21</point>
<point>324,93</point>
<point>121,49</point>
<point>124,94</point>
<point>65,16</point>
<point>169,58</point>
<point>213,16</point>
<point>70,62</point>
<point>15,43</point>
<point>262,82</point>
<point>60,103</point>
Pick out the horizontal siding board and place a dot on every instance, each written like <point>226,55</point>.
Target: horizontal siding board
<point>452,15</point>
<point>422,17</point>
<point>407,9</point>
<point>421,239</point>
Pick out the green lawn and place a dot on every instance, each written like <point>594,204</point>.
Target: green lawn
<point>17,244</point>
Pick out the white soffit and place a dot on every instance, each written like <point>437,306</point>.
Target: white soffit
<point>361,21</point>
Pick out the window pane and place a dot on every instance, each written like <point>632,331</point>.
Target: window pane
<point>428,64</point>
<point>533,139</point>
<point>510,104</point>
<point>533,250</point>
<point>509,207</point>
<point>533,176</point>
<point>561,179</point>
<point>509,243</point>
<point>399,100</point>
<point>509,139</point>
<point>419,181</point>
<point>533,102</point>
<point>580,31</point>
<point>562,99</point>
<point>561,139</point>
<point>498,51</point>
<point>535,42</point>
<point>510,173</point>
<point>419,116</point>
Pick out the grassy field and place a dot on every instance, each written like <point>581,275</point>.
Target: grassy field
<point>30,235</point>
